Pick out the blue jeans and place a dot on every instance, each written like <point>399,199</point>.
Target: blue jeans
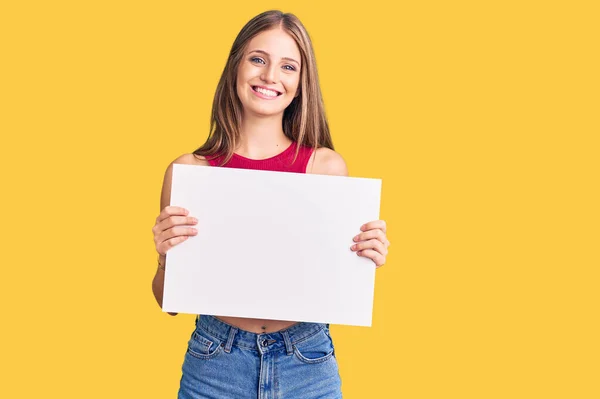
<point>224,362</point>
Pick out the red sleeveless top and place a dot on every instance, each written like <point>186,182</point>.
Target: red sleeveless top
<point>281,162</point>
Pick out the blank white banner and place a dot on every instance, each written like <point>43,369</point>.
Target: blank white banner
<point>272,245</point>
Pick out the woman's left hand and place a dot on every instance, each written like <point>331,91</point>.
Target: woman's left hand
<point>372,243</point>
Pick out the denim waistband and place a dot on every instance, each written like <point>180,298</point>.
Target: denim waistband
<point>231,335</point>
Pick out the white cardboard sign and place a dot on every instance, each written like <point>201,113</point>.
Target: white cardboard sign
<point>272,245</point>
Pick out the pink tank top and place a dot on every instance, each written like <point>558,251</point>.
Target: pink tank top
<point>281,162</point>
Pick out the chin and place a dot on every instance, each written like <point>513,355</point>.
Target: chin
<point>266,111</point>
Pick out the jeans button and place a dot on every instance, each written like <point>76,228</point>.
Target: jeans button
<point>265,343</point>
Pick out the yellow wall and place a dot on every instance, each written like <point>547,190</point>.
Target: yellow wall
<point>480,117</point>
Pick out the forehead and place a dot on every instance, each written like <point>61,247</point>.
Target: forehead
<point>276,42</point>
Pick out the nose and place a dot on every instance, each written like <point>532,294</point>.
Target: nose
<point>270,74</point>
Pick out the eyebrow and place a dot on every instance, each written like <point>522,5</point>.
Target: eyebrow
<point>267,54</point>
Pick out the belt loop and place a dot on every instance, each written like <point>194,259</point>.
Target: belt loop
<point>288,343</point>
<point>232,332</point>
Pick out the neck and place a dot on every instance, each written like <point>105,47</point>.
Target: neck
<point>262,137</point>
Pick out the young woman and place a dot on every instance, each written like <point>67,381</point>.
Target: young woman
<point>267,114</point>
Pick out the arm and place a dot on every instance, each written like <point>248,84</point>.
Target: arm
<point>158,281</point>
<point>371,242</point>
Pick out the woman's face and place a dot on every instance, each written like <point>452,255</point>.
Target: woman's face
<point>269,73</point>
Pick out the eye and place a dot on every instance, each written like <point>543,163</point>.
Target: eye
<point>291,68</point>
<point>257,59</point>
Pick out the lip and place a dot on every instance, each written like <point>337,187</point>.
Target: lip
<point>262,95</point>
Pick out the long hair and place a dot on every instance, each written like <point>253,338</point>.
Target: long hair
<point>304,119</point>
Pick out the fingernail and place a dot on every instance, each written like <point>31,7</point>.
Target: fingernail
<point>355,238</point>
<point>194,220</point>
<point>194,230</point>
<point>353,247</point>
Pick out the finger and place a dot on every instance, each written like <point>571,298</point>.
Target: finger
<point>367,235</point>
<point>376,224</point>
<point>176,232</point>
<point>370,244</point>
<point>159,229</point>
<point>175,221</point>
<point>171,211</point>
<point>375,256</point>
<point>168,244</point>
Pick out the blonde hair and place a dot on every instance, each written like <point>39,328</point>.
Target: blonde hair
<point>304,120</point>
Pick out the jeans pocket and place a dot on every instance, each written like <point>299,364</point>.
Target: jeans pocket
<point>204,346</point>
<point>316,349</point>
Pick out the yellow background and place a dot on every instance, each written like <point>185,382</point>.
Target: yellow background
<point>482,119</point>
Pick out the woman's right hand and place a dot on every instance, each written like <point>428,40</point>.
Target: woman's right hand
<point>172,227</point>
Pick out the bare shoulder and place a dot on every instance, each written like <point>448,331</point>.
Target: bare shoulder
<point>191,159</point>
<point>186,159</point>
<point>325,161</point>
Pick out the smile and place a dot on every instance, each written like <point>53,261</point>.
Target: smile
<point>265,93</point>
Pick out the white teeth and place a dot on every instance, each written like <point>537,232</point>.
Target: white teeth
<point>269,93</point>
